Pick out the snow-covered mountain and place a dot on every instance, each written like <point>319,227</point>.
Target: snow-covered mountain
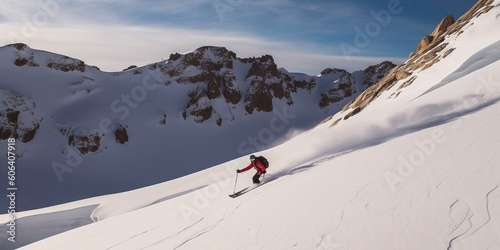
<point>409,164</point>
<point>75,124</point>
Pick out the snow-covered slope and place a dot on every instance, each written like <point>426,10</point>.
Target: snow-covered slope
<point>416,170</point>
<point>76,125</point>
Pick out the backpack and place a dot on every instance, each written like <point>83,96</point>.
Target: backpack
<point>263,160</point>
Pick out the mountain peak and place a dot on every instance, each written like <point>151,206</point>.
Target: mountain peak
<point>211,48</point>
<point>19,46</point>
<point>24,56</point>
<point>329,71</point>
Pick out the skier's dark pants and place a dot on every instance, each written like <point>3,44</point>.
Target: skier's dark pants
<point>256,178</point>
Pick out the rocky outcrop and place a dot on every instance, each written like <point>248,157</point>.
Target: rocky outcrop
<point>85,142</point>
<point>262,76</point>
<point>432,44</point>
<point>66,64</point>
<point>130,67</point>
<point>230,89</point>
<point>437,33</point>
<point>199,106</point>
<point>432,48</point>
<point>443,26</point>
<point>121,135</point>
<point>372,74</point>
<point>211,69</point>
<point>25,57</point>
<point>346,85</point>
<point>198,66</point>
<point>18,117</point>
<point>371,93</point>
<point>429,51</point>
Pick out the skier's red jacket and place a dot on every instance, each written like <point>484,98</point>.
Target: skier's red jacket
<point>257,165</point>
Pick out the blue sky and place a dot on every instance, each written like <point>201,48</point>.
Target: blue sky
<point>303,36</point>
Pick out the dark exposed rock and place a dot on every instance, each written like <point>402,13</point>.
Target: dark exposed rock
<point>66,64</point>
<point>354,112</point>
<point>85,143</point>
<point>230,90</point>
<point>19,46</point>
<point>199,106</point>
<point>130,67</point>
<point>23,61</point>
<point>174,57</point>
<point>258,97</point>
<point>440,29</point>
<point>25,57</point>
<point>121,135</point>
<point>263,74</point>
<point>345,83</point>
<point>344,88</point>
<point>163,120</point>
<point>373,74</point>
<point>18,117</point>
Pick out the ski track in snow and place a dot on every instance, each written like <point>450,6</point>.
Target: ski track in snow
<point>202,232</point>
<point>174,235</point>
<point>466,233</point>
<point>207,229</point>
<point>311,164</point>
<point>361,203</point>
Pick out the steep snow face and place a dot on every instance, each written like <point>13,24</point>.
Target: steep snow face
<point>416,171</point>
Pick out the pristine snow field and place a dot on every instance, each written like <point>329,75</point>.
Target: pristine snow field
<point>419,171</point>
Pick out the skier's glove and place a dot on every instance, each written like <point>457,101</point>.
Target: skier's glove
<point>238,171</point>
<point>264,172</point>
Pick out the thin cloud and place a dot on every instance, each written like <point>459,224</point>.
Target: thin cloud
<point>117,47</point>
<point>115,34</point>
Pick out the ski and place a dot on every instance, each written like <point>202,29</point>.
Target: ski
<point>238,193</point>
<point>245,190</point>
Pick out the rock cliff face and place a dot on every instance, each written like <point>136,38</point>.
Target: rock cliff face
<point>429,51</point>
<point>436,34</point>
<point>259,83</point>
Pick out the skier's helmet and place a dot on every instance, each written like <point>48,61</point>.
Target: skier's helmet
<point>252,157</point>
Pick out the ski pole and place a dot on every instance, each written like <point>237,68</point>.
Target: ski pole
<point>235,181</point>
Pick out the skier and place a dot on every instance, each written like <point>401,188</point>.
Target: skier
<point>261,169</point>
